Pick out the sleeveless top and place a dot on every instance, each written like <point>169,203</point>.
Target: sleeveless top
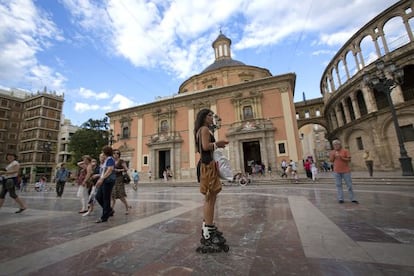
<point>118,165</point>
<point>206,155</point>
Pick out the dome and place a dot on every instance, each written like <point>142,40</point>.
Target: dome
<point>222,52</point>
<point>222,63</point>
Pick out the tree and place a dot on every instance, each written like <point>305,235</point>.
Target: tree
<point>96,124</point>
<point>89,139</point>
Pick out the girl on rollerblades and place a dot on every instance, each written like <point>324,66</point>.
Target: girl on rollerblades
<point>212,240</point>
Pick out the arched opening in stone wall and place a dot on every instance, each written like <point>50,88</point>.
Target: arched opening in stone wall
<point>408,84</point>
<point>350,108</point>
<point>368,51</point>
<point>361,103</point>
<point>395,34</point>
<point>315,145</point>
<point>380,99</point>
<point>350,62</point>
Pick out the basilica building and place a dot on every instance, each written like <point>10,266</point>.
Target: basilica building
<point>254,111</point>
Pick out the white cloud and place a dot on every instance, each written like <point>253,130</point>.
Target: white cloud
<point>171,35</point>
<point>45,76</point>
<point>85,107</point>
<point>323,52</point>
<point>176,35</point>
<point>101,103</point>
<point>87,94</point>
<point>121,102</point>
<point>24,32</point>
<point>335,39</point>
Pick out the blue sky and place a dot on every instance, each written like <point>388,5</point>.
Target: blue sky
<point>114,54</point>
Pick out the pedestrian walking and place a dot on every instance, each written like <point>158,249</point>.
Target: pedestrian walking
<point>118,191</point>
<point>84,174</point>
<point>61,177</point>
<point>314,171</point>
<point>9,178</point>
<point>91,183</point>
<point>369,162</point>
<point>135,178</point>
<point>284,166</point>
<point>105,184</point>
<point>307,166</point>
<point>23,185</point>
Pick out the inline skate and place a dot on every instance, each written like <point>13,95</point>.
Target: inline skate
<point>212,240</point>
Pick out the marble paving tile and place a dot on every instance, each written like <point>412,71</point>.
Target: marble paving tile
<point>271,230</point>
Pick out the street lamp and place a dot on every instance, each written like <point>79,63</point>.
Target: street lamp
<point>380,82</point>
<point>47,147</point>
<point>110,137</point>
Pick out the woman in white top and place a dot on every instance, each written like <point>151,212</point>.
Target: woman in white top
<point>9,176</point>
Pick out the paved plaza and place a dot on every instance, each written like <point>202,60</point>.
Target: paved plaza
<point>273,227</point>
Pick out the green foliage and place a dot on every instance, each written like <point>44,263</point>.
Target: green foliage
<point>89,139</point>
<point>96,124</point>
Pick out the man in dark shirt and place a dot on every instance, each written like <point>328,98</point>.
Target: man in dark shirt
<point>61,177</point>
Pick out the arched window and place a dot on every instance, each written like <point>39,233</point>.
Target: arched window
<point>350,108</point>
<point>361,103</point>
<point>125,132</point>
<point>380,99</point>
<point>408,83</point>
<point>341,109</point>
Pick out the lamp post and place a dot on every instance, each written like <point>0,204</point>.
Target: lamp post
<point>301,137</point>
<point>47,147</point>
<point>110,137</point>
<point>380,82</point>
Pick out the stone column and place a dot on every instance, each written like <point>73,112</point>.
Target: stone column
<point>355,105</point>
<point>384,43</point>
<point>377,48</point>
<point>408,28</point>
<point>397,95</point>
<point>339,117</point>
<point>338,77</point>
<point>346,111</point>
<point>361,58</point>
<point>369,99</point>
<point>334,121</point>
<point>357,63</point>
<point>332,84</point>
<point>346,69</point>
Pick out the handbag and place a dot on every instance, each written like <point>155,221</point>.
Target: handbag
<point>223,165</point>
<point>125,178</point>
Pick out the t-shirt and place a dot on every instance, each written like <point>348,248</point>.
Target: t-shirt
<point>10,166</point>
<point>340,165</point>
<point>109,162</point>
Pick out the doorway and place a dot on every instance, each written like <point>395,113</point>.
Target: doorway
<point>251,155</point>
<point>163,162</point>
